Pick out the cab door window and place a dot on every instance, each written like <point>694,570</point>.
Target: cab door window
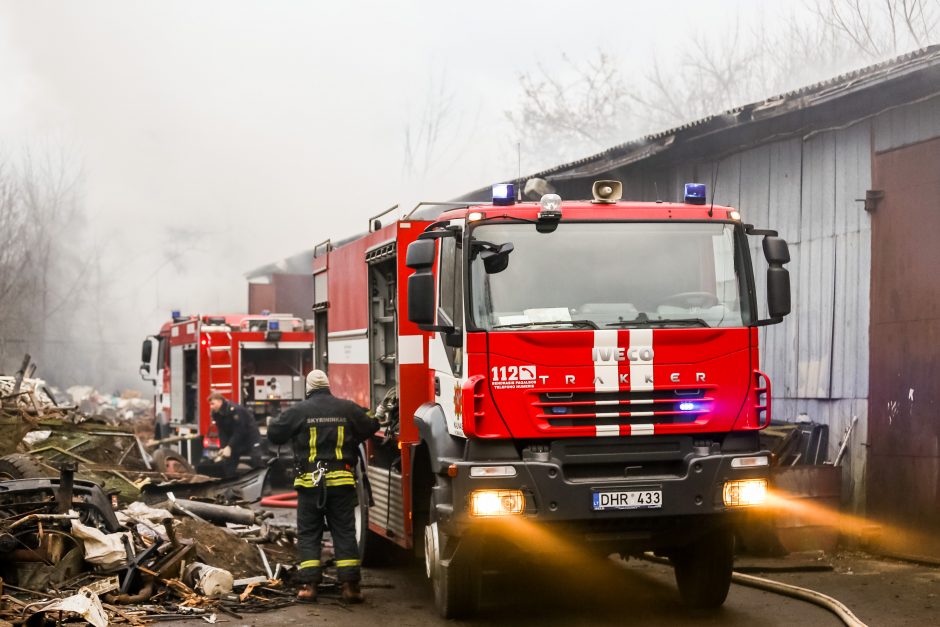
<point>450,293</point>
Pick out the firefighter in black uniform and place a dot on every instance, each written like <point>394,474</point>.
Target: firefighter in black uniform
<point>238,434</point>
<point>325,432</point>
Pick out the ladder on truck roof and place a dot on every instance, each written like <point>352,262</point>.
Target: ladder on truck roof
<point>220,367</point>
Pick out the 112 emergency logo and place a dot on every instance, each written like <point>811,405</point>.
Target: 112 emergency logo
<point>513,376</point>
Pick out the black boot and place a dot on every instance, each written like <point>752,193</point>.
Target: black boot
<point>307,593</point>
<point>351,592</point>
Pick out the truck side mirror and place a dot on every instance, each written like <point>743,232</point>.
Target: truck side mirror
<point>777,253</point>
<point>420,255</point>
<point>420,258</point>
<point>421,297</point>
<point>778,291</point>
<point>776,250</point>
<point>147,354</point>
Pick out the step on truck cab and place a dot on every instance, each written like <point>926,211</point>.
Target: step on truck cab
<point>577,373</point>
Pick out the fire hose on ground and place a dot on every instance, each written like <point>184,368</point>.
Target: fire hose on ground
<point>803,594</point>
<point>288,499</point>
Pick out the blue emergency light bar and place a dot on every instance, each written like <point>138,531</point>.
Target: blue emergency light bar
<point>504,194</point>
<point>175,314</point>
<point>695,193</point>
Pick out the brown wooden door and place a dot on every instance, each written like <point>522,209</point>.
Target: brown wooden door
<point>904,411</point>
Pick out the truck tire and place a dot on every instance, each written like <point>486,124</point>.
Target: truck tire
<point>170,462</point>
<point>21,466</point>
<point>703,569</point>
<point>456,583</point>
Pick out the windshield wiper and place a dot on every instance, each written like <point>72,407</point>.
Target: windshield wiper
<point>642,322</point>
<point>575,323</point>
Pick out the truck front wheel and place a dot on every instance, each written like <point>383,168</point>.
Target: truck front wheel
<point>703,569</point>
<point>456,582</point>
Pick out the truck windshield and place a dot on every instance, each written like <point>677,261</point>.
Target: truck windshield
<point>608,275</point>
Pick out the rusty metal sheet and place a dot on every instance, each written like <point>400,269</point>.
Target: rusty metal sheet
<point>903,428</point>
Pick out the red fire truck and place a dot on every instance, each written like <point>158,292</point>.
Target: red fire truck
<point>589,368</point>
<point>257,361</point>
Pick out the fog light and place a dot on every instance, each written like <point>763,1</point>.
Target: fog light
<point>496,502</point>
<point>745,492</point>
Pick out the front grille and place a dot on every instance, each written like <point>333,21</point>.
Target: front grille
<point>624,407</point>
<point>625,470</point>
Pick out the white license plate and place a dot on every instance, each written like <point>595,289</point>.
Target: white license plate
<point>628,499</point>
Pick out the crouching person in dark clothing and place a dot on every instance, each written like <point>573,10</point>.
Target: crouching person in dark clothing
<point>325,432</point>
<point>238,434</point>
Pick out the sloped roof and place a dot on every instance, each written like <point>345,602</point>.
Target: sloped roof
<point>796,100</point>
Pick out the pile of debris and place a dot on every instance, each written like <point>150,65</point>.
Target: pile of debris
<point>38,434</point>
<point>127,407</point>
<point>26,395</point>
<point>65,550</point>
<point>100,524</point>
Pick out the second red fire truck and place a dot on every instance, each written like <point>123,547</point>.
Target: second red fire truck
<point>585,368</point>
<point>257,361</point>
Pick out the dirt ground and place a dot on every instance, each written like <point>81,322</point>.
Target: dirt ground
<point>879,591</point>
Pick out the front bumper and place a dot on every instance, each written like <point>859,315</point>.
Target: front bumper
<point>559,487</point>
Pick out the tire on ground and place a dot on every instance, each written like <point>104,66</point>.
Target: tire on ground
<point>457,585</point>
<point>703,569</point>
<point>21,466</point>
<point>165,460</point>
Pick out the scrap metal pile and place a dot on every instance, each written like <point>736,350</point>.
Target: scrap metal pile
<point>98,526</point>
<point>64,550</point>
<point>39,433</point>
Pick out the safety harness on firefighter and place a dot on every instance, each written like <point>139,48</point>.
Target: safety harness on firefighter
<point>311,473</point>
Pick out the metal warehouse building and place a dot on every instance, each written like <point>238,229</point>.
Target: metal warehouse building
<point>848,171</point>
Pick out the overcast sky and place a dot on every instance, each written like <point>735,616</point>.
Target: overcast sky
<point>263,128</point>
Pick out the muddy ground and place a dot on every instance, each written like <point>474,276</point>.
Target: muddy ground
<point>879,591</point>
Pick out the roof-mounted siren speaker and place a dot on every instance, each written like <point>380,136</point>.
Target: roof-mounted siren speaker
<point>607,192</point>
